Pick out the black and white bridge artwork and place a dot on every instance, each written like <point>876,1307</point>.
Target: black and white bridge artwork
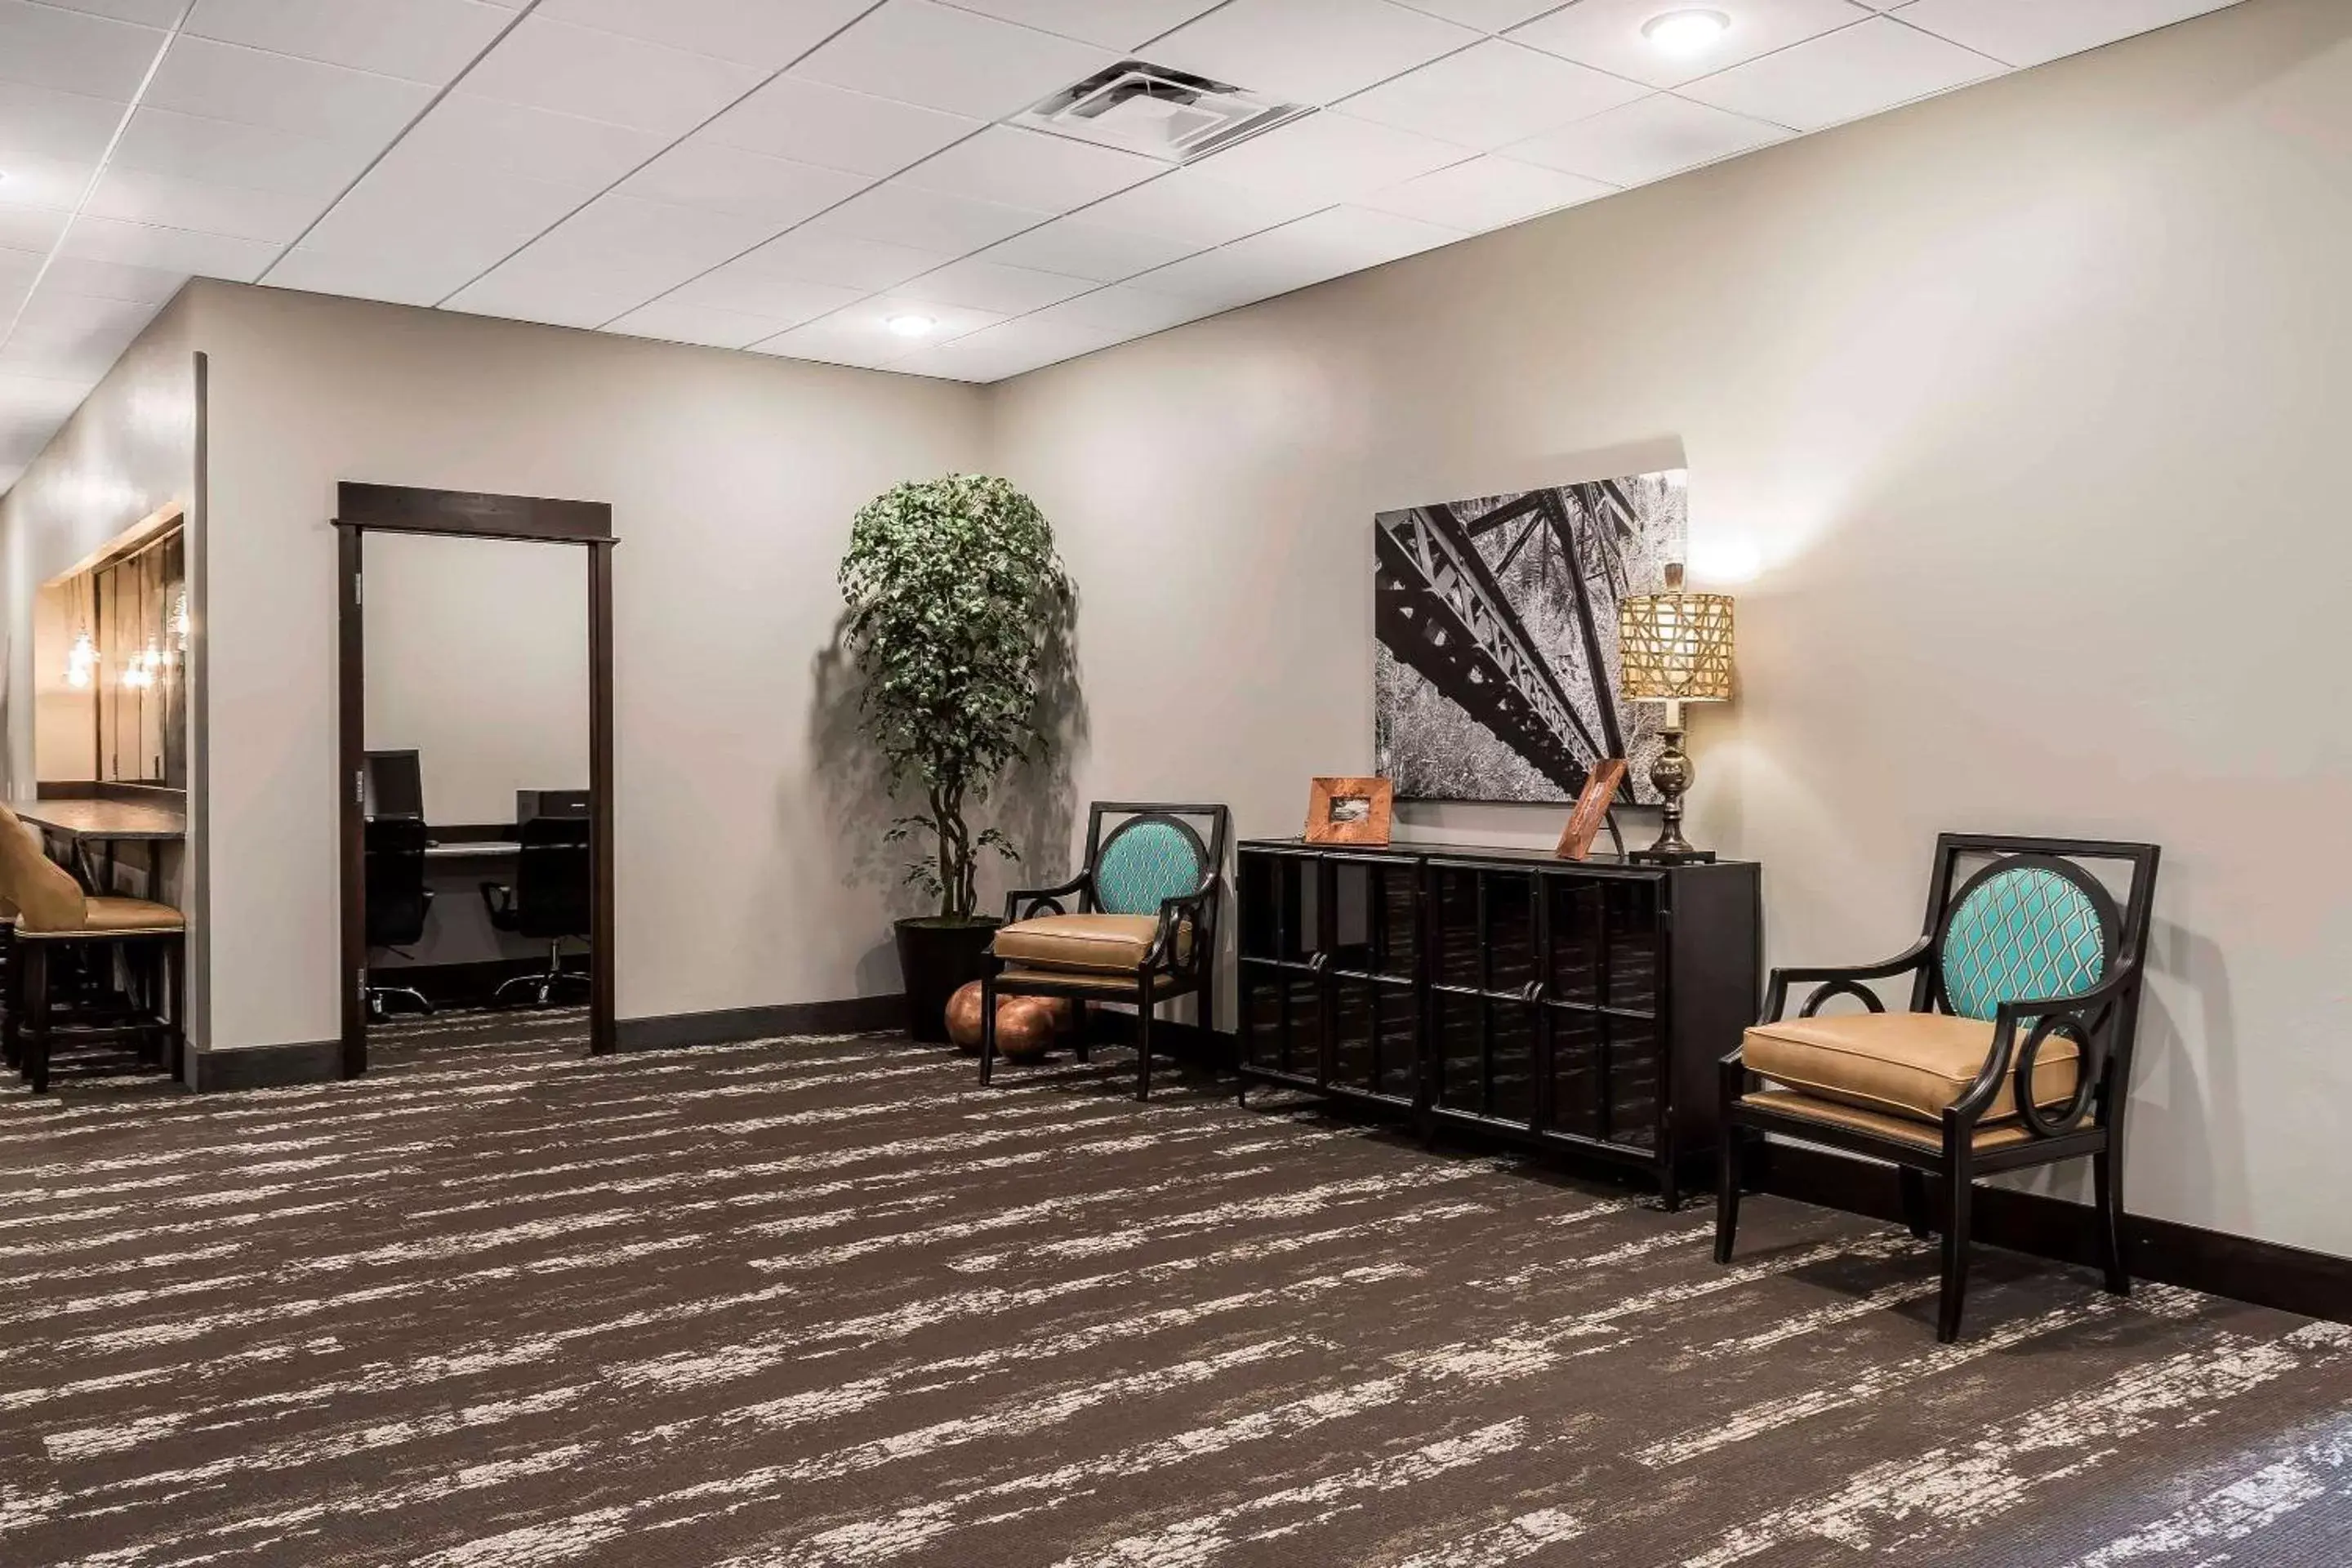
<point>1496,671</point>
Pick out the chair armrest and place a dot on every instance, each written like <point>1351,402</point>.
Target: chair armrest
<point>1841,980</point>
<point>1024,903</point>
<point>2082,1015</point>
<point>1174,914</point>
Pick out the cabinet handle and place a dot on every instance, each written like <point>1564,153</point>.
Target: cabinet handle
<point>1318,960</point>
<point>1532,992</point>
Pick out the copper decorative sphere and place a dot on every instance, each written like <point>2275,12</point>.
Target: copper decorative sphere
<point>1026,1026</point>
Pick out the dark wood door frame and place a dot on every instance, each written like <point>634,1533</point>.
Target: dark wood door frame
<point>362,509</point>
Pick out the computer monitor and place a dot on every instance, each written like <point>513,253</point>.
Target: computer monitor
<point>394,786</point>
<point>530,804</point>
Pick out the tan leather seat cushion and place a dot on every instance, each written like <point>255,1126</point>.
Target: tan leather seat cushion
<point>1089,944</point>
<point>1902,1128</point>
<point>122,915</point>
<point>39,890</point>
<point>1900,1064</point>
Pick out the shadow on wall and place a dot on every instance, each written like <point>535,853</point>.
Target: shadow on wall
<point>1035,803</point>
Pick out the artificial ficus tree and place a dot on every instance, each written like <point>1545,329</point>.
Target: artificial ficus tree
<point>954,590</point>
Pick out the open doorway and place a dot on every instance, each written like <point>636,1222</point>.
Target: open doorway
<point>476,764</point>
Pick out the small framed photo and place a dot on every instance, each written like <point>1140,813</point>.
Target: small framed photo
<point>1349,811</point>
<point>1600,788</point>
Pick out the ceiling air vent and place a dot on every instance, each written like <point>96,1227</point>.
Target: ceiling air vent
<point>1170,115</point>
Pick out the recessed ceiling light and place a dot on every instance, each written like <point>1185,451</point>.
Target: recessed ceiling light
<point>1685,32</point>
<point>911,326</point>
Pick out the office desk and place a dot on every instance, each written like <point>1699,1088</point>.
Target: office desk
<point>80,823</point>
<point>472,849</point>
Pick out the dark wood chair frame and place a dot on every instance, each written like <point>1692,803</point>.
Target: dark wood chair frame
<point>38,1015</point>
<point>2101,1021</point>
<point>1170,969</point>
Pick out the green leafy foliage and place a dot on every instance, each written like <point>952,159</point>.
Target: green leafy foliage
<point>953,588</point>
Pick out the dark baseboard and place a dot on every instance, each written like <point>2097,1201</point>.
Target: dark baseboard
<point>853,1015</point>
<point>268,1066</point>
<point>2264,1273</point>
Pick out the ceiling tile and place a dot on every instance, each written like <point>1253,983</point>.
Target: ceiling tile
<point>1487,193</point>
<point>1077,248</point>
<point>31,227</point>
<point>1487,15</point>
<point>402,275</point>
<point>37,400</point>
<point>113,280</point>
<point>2030,32</point>
<point>1119,25</point>
<point>227,81</point>
<point>993,286</point>
<point>1311,51</point>
<point>927,220</point>
<point>678,322</point>
<point>557,296</point>
<point>1491,94</point>
<point>1844,76</point>
<point>168,249</point>
<point>45,183</point>
<point>700,172</point>
<point>69,337</point>
<point>70,127</point>
<point>18,269</point>
<point>74,51</point>
<point>656,242</point>
<point>147,13</point>
<point>1331,157</point>
<point>1008,349</point>
<point>537,143</point>
<point>749,285</point>
<point>1607,35</point>
<point>547,64</point>
<point>1029,169</point>
<point>813,123</point>
<point>229,152</point>
<point>1194,207</point>
<point>861,333</point>
<point>1325,245</point>
<point>926,54</point>
<point>167,199</point>
<point>828,341</point>
<point>768,34</point>
<point>1128,311</point>
<point>1646,140</point>
<point>421,40</point>
<point>814,255</point>
<point>464,216</point>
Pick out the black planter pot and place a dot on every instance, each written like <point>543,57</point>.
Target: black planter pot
<point>936,954</point>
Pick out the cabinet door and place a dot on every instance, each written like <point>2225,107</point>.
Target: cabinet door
<point>1281,1018</point>
<point>1375,917</point>
<point>1372,1035</point>
<point>1485,926</point>
<point>1281,917</point>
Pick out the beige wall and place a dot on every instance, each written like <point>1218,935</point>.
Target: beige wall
<point>477,661</point>
<point>2017,422</point>
<point>746,875</point>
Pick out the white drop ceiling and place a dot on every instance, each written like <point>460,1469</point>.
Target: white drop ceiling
<point>786,176</point>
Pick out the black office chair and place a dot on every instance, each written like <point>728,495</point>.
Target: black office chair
<point>548,903</point>
<point>398,900</point>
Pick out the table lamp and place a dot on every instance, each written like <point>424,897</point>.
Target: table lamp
<point>1674,648</point>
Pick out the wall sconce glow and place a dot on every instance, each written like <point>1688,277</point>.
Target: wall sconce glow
<point>81,661</point>
<point>1685,32</point>
<point>180,620</point>
<point>911,326</point>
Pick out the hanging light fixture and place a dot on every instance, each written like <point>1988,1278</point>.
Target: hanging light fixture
<point>81,658</point>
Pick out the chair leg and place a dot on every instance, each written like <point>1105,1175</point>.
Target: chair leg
<point>1914,1184</point>
<point>2108,1182</point>
<point>176,983</point>
<point>987,1028</point>
<point>1730,1174</point>
<point>1956,1250</point>
<point>36,1015</point>
<point>1085,1029</point>
<point>1143,1040</point>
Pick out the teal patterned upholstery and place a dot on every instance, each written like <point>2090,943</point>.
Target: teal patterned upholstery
<point>2026,932</point>
<point>1146,860</point>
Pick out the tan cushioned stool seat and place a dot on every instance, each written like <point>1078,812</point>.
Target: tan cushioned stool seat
<point>1900,1064</point>
<point>1091,944</point>
<point>35,888</point>
<point>1903,1129</point>
<point>127,917</point>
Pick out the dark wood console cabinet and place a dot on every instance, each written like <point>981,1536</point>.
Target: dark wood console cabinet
<point>1576,1004</point>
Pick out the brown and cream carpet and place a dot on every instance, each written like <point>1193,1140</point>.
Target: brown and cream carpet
<point>825,1302</point>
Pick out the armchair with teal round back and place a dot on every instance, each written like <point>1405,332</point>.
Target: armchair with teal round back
<point>2015,1050</point>
<point>1137,925</point>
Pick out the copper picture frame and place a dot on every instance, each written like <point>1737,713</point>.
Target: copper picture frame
<point>1600,787</point>
<point>1349,811</point>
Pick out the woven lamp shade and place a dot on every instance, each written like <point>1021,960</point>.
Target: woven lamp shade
<point>1676,646</point>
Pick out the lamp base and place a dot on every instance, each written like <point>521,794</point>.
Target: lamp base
<point>1685,856</point>
<point>1671,775</point>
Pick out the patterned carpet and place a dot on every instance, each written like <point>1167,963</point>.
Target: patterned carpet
<point>824,1301</point>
